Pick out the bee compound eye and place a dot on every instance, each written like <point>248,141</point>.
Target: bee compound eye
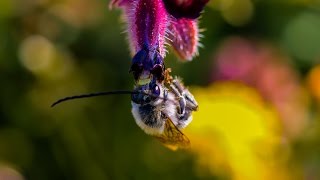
<point>156,91</point>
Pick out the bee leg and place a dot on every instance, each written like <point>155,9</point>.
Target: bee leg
<point>182,101</point>
<point>178,85</point>
<point>191,103</point>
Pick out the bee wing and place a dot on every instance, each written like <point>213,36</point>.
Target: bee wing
<point>172,137</point>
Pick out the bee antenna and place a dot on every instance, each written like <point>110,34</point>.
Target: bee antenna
<point>94,95</point>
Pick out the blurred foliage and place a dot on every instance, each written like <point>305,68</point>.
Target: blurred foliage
<point>259,99</point>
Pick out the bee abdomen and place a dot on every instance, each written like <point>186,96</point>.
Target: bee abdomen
<point>151,116</point>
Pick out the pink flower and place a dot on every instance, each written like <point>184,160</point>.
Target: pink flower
<point>153,23</point>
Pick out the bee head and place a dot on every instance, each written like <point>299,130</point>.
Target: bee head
<point>149,93</point>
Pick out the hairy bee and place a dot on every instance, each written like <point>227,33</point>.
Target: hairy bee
<point>162,111</point>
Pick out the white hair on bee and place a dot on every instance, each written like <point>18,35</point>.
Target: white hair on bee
<point>165,105</point>
<point>148,116</point>
<point>141,121</point>
<point>151,117</point>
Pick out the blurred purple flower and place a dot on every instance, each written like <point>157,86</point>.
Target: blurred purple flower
<point>152,23</point>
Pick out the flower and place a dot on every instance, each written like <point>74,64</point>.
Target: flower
<point>262,67</point>
<point>185,38</point>
<point>154,23</point>
<point>237,134</point>
<point>185,8</point>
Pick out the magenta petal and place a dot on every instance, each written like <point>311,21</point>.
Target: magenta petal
<point>147,23</point>
<point>184,36</point>
<point>185,8</point>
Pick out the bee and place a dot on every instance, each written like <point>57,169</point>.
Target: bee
<point>166,106</point>
<point>161,105</point>
<point>165,112</point>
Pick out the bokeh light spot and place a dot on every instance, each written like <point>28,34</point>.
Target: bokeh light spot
<point>302,38</point>
<point>313,81</point>
<point>237,12</point>
<point>39,55</point>
<point>36,53</point>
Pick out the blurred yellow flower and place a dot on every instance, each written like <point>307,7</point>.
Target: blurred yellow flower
<point>235,132</point>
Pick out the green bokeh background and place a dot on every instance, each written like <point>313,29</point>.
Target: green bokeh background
<point>97,138</point>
